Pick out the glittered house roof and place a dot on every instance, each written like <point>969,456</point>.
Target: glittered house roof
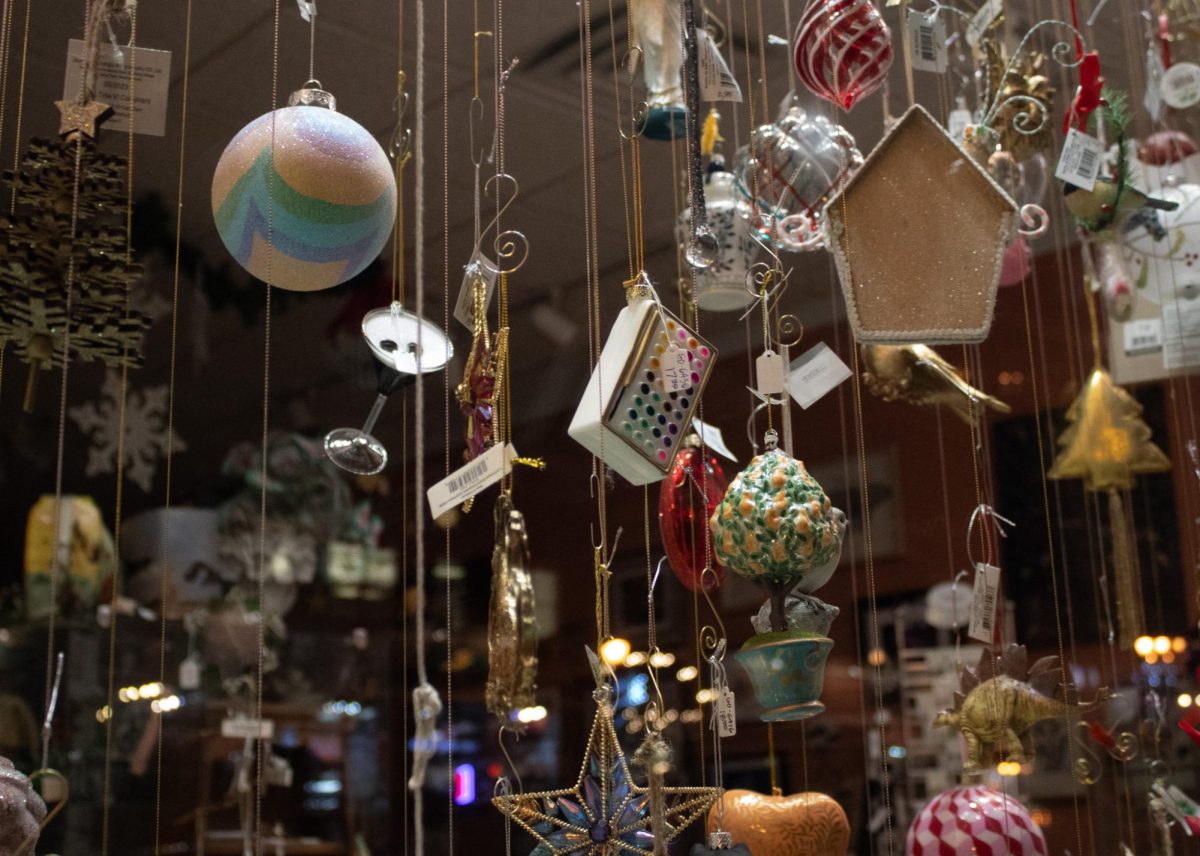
<point>919,234</point>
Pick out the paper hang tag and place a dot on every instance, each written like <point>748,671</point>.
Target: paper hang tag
<point>308,9</point>
<point>1152,99</point>
<point>1180,85</point>
<point>278,772</point>
<point>245,728</point>
<point>473,478</point>
<point>814,373</point>
<point>479,267</point>
<point>717,82</point>
<point>189,674</point>
<point>769,373</point>
<point>927,37</point>
<point>151,85</point>
<point>983,602</point>
<point>713,439</point>
<point>983,19</point>
<point>1143,336</point>
<point>1079,163</point>
<point>725,713</point>
<point>676,369</point>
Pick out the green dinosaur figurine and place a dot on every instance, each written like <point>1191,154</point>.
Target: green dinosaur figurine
<point>998,702</point>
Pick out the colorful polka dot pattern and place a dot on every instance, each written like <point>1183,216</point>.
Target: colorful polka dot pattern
<point>316,212</point>
<point>775,522</point>
<point>974,821</point>
<point>651,418</point>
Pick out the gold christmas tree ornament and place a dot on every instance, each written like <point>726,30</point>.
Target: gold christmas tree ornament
<point>1106,444</point>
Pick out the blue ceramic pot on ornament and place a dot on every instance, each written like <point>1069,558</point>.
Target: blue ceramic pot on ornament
<point>787,672</point>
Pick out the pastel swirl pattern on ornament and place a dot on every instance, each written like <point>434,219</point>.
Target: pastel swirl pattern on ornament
<point>327,198</point>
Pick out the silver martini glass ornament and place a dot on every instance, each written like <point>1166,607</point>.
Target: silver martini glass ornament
<point>404,346</point>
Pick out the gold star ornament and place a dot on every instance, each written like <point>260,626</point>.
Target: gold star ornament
<point>604,813</point>
<point>81,118</point>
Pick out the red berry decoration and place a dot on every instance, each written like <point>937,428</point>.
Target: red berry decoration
<point>687,498</point>
<point>843,50</point>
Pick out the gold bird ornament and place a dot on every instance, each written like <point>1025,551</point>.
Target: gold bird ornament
<point>1110,204</point>
<point>918,374</point>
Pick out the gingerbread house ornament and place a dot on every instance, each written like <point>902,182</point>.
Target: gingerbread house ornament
<point>919,234</point>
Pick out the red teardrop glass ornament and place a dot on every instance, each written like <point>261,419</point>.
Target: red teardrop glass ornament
<point>683,512</point>
<point>843,50</point>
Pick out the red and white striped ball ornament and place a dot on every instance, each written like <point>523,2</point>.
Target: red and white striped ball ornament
<point>974,821</point>
<point>843,50</point>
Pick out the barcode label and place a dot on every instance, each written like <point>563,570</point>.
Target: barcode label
<point>1181,329</point>
<point>982,20</point>
<point>1080,161</point>
<point>927,37</point>
<point>465,482</point>
<point>717,82</point>
<point>1180,85</point>
<point>983,602</point>
<point>1142,336</point>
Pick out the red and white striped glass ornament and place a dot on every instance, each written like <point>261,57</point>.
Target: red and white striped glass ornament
<point>843,50</point>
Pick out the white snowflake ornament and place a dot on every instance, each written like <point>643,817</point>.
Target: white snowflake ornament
<point>146,435</point>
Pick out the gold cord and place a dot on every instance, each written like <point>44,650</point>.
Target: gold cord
<point>163,575</point>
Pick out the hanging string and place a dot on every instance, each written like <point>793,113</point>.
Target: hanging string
<point>169,454</point>
<point>262,745</point>
<point>447,386</point>
<point>16,162</point>
<point>104,11</point>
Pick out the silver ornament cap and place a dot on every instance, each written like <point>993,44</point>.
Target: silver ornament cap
<point>312,95</point>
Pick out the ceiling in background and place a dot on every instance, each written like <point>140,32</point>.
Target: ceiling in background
<point>320,369</point>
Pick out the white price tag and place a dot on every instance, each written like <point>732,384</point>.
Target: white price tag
<point>814,373</point>
<point>244,727</point>
<point>717,82</point>
<point>1143,336</point>
<point>189,674</point>
<point>468,480</point>
<point>927,37</point>
<point>725,714</point>
<point>1079,163</point>
<point>713,439</point>
<point>769,372</point>
<point>957,122</point>
<point>1181,333</point>
<point>151,85</point>
<point>983,19</point>
<point>675,369</point>
<point>479,267</point>
<point>308,9</point>
<point>1180,85</point>
<point>1152,99</point>
<point>983,602</point>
